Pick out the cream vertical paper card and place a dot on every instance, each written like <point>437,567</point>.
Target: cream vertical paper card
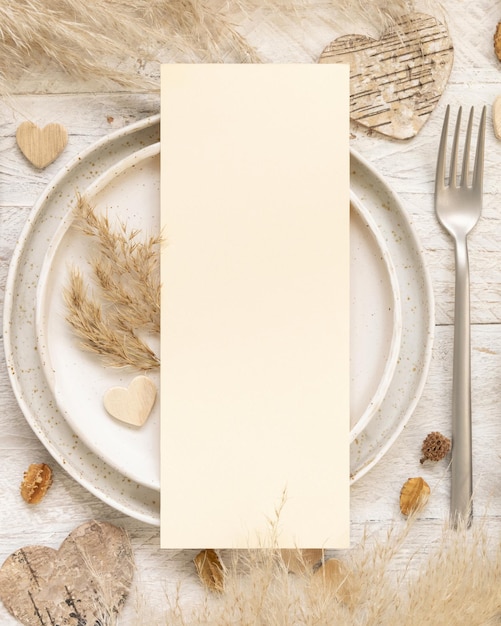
<point>255,306</point>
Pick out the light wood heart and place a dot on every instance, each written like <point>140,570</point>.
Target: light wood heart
<point>131,405</point>
<point>396,81</point>
<point>41,146</point>
<point>86,581</point>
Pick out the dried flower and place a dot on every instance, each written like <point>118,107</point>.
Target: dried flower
<point>37,480</point>
<point>435,447</point>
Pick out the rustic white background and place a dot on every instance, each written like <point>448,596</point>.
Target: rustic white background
<point>408,167</point>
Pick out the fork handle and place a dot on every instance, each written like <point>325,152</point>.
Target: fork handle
<point>462,483</point>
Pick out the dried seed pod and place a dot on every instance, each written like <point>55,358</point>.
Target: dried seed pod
<point>497,41</point>
<point>435,447</point>
<point>37,480</point>
<point>414,495</point>
<point>210,570</point>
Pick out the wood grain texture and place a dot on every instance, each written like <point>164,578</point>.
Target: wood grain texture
<point>41,146</point>
<point>409,167</point>
<point>131,404</point>
<point>397,80</point>
<point>86,581</point>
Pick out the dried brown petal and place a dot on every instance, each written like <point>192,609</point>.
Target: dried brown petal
<point>414,495</point>
<point>210,570</point>
<point>497,41</point>
<point>334,577</point>
<point>37,479</point>
<point>301,561</point>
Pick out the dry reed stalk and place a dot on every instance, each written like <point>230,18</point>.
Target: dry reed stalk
<point>127,269</point>
<point>90,39</point>
<point>111,41</point>
<point>458,582</point>
<point>127,276</point>
<point>104,334</point>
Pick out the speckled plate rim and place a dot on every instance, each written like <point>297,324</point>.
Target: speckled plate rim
<point>390,363</point>
<point>120,441</point>
<point>25,372</point>
<point>418,317</point>
<point>30,386</point>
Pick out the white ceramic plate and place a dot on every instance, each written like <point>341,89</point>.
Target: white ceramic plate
<point>128,193</point>
<point>418,321</point>
<point>23,360</point>
<point>28,376</point>
<point>375,317</point>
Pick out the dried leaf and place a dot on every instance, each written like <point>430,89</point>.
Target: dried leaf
<point>334,577</point>
<point>301,561</point>
<point>210,570</point>
<point>414,495</point>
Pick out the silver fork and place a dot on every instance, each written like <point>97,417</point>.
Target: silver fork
<point>458,204</point>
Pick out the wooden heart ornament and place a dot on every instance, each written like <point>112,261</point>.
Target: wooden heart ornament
<point>41,146</point>
<point>131,405</point>
<point>86,581</point>
<point>396,81</point>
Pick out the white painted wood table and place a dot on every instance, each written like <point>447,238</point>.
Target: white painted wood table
<point>409,168</point>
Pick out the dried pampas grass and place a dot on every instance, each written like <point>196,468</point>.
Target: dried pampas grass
<point>93,39</point>
<point>111,42</point>
<point>125,305</point>
<point>457,583</point>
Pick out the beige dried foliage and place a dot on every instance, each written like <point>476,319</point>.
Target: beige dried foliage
<point>126,267</point>
<point>388,580</point>
<point>210,570</point>
<point>91,39</point>
<point>333,577</point>
<point>300,561</point>
<point>125,304</point>
<point>113,41</point>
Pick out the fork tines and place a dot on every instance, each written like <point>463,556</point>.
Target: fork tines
<point>452,179</point>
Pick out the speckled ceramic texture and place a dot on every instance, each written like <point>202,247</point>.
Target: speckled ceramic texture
<point>128,193</point>
<point>23,360</point>
<point>417,318</point>
<point>375,317</point>
<point>27,375</point>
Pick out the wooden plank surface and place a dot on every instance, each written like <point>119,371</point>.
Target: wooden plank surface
<point>408,166</point>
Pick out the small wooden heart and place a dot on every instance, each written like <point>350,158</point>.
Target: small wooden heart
<point>396,81</point>
<point>86,581</point>
<point>131,405</point>
<point>41,146</point>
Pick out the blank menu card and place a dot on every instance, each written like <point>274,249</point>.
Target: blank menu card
<point>255,306</point>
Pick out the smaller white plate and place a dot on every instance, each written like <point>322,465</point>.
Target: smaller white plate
<point>129,193</point>
<point>375,317</point>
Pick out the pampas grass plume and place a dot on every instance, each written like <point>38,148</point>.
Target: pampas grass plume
<point>111,42</point>
<point>457,583</point>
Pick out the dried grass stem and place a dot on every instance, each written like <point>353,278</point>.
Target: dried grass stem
<point>126,272</point>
